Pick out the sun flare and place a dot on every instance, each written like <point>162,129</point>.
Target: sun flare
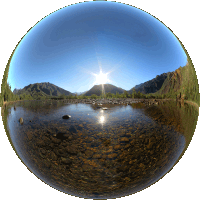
<point>101,78</point>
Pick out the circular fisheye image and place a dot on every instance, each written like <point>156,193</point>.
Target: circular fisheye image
<point>99,99</point>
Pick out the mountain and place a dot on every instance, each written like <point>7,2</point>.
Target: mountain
<point>172,82</point>
<point>81,93</point>
<point>152,85</point>
<point>42,89</point>
<point>97,89</point>
<point>15,91</point>
<point>183,83</point>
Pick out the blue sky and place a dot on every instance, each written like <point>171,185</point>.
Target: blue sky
<point>67,46</point>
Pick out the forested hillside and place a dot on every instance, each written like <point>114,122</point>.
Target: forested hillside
<point>182,83</point>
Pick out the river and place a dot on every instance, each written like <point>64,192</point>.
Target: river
<point>100,153</point>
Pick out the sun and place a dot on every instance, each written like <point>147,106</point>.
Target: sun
<point>101,78</point>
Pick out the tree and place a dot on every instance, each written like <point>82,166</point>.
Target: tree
<point>102,95</point>
<point>82,97</point>
<point>109,95</point>
<point>129,95</point>
<point>117,95</point>
<point>94,96</point>
<point>133,93</point>
<point>62,96</point>
<point>125,94</point>
<point>113,95</point>
<point>70,96</point>
<point>139,94</point>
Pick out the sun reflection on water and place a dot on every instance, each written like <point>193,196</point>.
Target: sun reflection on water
<point>102,119</point>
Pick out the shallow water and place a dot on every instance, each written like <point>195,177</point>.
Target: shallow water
<point>100,153</point>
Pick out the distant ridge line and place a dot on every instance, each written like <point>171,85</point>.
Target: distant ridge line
<point>50,89</point>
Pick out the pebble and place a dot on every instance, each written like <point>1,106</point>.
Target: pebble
<point>124,139</point>
<point>66,160</point>
<point>21,121</point>
<point>118,146</point>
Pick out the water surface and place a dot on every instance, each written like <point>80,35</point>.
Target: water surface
<point>100,153</point>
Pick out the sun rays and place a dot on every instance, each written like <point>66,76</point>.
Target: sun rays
<point>101,78</point>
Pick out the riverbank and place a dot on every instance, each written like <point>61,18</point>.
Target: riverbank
<point>193,103</point>
<point>6,103</point>
<point>9,102</point>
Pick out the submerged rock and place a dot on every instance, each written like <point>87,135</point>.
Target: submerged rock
<point>66,160</point>
<point>118,146</point>
<point>21,121</point>
<point>124,139</point>
<point>66,116</point>
<point>98,107</point>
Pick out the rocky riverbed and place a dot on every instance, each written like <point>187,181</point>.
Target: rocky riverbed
<point>132,147</point>
<point>122,101</point>
<point>96,165</point>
